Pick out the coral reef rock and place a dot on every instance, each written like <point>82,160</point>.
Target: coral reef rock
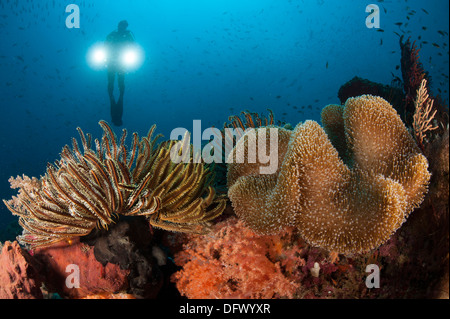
<point>73,272</point>
<point>128,244</point>
<point>19,273</point>
<point>109,262</point>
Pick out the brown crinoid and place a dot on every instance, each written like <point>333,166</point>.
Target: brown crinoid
<point>88,188</point>
<point>347,187</point>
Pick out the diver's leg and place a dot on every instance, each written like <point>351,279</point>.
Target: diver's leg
<point>121,80</point>
<point>111,78</point>
<point>116,113</point>
<point>119,104</point>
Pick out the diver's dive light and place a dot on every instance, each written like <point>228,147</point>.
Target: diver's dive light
<point>129,58</point>
<point>99,56</point>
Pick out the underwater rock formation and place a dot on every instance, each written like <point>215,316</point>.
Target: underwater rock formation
<point>19,273</point>
<point>94,278</point>
<point>129,245</point>
<point>119,260</point>
<point>347,205</point>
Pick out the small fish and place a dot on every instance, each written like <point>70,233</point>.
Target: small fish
<point>20,58</point>
<point>397,34</point>
<point>435,45</point>
<point>278,96</point>
<point>380,30</point>
<point>425,42</point>
<point>441,33</point>
<point>381,41</point>
<point>398,23</point>
<point>424,28</point>
<point>425,11</point>
<point>397,67</point>
<point>385,11</point>
<point>326,65</point>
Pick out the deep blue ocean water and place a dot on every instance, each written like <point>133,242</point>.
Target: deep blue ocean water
<point>204,60</point>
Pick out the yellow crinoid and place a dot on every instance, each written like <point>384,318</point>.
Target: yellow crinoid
<point>88,188</point>
<point>346,196</point>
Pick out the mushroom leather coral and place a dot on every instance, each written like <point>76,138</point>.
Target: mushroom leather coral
<point>348,204</point>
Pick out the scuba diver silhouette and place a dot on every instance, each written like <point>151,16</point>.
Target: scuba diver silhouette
<point>116,42</point>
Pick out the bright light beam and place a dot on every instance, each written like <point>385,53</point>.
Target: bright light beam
<point>131,58</point>
<point>97,56</point>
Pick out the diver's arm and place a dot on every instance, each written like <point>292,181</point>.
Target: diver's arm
<point>131,37</point>
<point>109,38</point>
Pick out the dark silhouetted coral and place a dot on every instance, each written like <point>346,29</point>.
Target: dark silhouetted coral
<point>412,73</point>
<point>359,86</point>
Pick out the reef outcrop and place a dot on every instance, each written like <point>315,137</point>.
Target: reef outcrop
<point>19,273</point>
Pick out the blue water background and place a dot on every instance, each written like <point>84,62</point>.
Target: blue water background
<point>204,60</point>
